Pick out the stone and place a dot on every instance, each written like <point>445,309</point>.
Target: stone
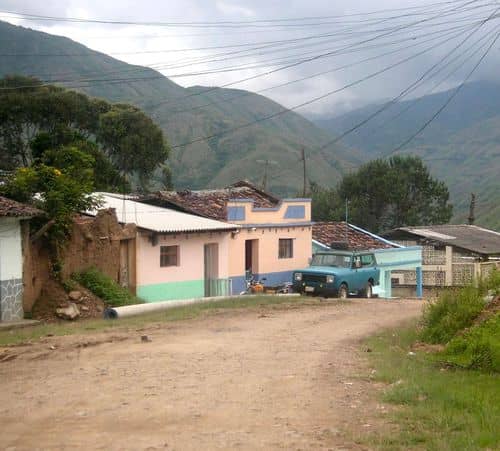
<point>145,339</point>
<point>70,312</point>
<point>84,308</point>
<point>75,295</point>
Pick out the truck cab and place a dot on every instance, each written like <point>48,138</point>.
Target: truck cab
<point>338,274</point>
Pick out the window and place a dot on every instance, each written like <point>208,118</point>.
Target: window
<point>169,256</point>
<point>367,260</point>
<point>285,248</point>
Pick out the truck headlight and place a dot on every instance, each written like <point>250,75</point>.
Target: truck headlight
<point>330,279</point>
<point>298,276</point>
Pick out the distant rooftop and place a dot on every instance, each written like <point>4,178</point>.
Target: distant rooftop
<point>11,208</point>
<point>355,238</point>
<point>469,237</point>
<point>211,203</point>
<point>158,219</point>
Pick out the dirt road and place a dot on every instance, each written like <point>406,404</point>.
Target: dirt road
<point>272,379</point>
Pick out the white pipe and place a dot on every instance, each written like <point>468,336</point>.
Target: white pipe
<point>140,309</point>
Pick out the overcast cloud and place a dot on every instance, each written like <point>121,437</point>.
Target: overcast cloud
<point>116,39</point>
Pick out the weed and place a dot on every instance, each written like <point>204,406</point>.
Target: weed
<point>453,311</point>
<point>436,408</point>
<point>478,348</point>
<point>106,288</point>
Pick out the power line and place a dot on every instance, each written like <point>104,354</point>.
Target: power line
<point>255,22</point>
<point>293,64</point>
<point>317,74</point>
<point>404,92</point>
<point>372,75</point>
<point>450,98</point>
<point>413,103</point>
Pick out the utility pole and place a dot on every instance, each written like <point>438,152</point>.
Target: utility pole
<point>264,177</point>
<point>472,206</point>
<point>303,159</point>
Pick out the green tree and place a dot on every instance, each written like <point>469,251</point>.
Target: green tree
<point>384,194</point>
<point>60,184</point>
<point>132,140</point>
<point>34,117</point>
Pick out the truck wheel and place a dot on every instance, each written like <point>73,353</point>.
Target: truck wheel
<point>343,293</point>
<point>369,290</point>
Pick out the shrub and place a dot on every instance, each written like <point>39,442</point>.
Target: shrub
<point>453,311</point>
<point>106,288</point>
<point>491,283</point>
<point>478,348</point>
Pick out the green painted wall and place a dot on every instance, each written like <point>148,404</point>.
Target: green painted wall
<point>173,290</point>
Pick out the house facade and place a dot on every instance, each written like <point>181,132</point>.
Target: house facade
<point>453,255</point>
<point>14,230</point>
<point>174,255</point>
<point>273,236</point>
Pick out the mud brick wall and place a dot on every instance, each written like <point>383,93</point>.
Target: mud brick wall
<point>93,242</point>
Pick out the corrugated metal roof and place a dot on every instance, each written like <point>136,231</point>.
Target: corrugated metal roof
<point>469,237</point>
<point>157,219</point>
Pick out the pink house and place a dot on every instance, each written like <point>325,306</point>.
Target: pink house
<point>175,255</point>
<point>273,236</point>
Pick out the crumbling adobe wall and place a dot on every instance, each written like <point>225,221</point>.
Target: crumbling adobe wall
<point>93,242</point>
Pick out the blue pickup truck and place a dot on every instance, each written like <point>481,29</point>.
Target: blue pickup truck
<point>338,273</point>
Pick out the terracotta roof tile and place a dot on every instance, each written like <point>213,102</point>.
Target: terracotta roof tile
<point>9,207</point>
<point>211,203</point>
<point>328,232</point>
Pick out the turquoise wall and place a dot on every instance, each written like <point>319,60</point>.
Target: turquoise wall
<point>172,291</point>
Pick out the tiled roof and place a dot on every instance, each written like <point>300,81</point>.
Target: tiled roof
<point>469,237</point>
<point>211,203</point>
<point>158,219</point>
<point>9,207</point>
<point>329,232</point>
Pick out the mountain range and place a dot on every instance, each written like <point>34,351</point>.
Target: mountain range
<point>185,114</point>
<point>461,145</point>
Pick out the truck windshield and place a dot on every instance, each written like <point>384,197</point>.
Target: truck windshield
<point>336,260</point>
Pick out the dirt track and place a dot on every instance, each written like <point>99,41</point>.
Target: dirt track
<point>270,379</point>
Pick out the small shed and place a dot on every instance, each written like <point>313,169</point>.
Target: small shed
<point>14,227</point>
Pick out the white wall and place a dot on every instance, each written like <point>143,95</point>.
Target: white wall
<point>11,257</point>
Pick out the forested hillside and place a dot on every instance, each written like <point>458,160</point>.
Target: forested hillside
<point>185,115</point>
<point>462,146</point>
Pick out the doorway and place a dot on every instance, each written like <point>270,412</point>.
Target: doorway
<point>251,257</point>
<point>211,257</point>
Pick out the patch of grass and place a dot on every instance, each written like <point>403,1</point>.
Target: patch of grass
<point>478,348</point>
<point>435,408</point>
<point>34,333</point>
<point>106,288</point>
<point>453,311</point>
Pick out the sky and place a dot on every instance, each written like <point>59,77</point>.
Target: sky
<point>414,36</point>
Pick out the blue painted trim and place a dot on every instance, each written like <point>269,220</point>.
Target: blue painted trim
<point>373,235</point>
<point>277,208</point>
<point>402,249</point>
<point>420,284</point>
<point>281,224</point>
<point>235,213</point>
<point>295,212</point>
<point>400,263</point>
<point>272,279</point>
